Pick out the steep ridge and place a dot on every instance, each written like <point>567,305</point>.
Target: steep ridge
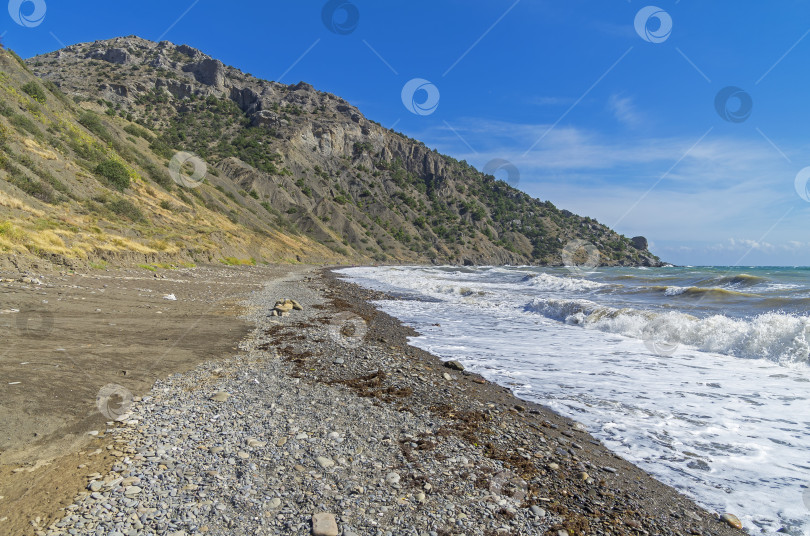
<point>304,164</point>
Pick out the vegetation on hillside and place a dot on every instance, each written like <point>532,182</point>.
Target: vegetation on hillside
<point>297,172</point>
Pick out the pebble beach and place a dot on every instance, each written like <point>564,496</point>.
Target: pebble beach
<point>327,422</point>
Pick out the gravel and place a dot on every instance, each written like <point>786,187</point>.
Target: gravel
<point>327,422</point>
<point>244,447</point>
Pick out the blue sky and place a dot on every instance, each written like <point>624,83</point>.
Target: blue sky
<point>601,115</point>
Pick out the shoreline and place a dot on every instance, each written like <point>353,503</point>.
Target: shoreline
<point>649,504</point>
<point>469,457</point>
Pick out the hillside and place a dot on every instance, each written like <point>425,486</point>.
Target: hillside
<point>290,173</point>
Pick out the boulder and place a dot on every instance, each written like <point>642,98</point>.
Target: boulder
<point>111,55</point>
<point>732,520</point>
<point>287,305</point>
<point>454,365</point>
<point>160,62</point>
<point>265,118</point>
<point>188,51</point>
<point>178,89</point>
<point>116,55</point>
<point>639,242</point>
<point>208,71</point>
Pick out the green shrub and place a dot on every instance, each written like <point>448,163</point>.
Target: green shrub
<point>115,172</point>
<point>159,175</point>
<point>161,148</point>
<point>35,188</point>
<point>91,122</point>
<point>35,91</point>
<point>140,132</point>
<point>233,261</point>
<point>125,208</point>
<point>23,124</point>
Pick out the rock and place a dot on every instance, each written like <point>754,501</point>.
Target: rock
<point>296,305</point>
<point>243,455</point>
<point>420,497</point>
<point>454,365</point>
<point>132,491</point>
<point>562,532</point>
<point>94,486</point>
<point>284,306</point>
<point>447,377</point>
<point>537,511</point>
<point>584,476</point>
<point>324,524</point>
<point>255,443</point>
<point>113,55</point>
<point>699,465</point>
<point>324,462</point>
<point>639,242</point>
<point>208,71</point>
<point>732,520</point>
<point>188,51</point>
<point>392,478</point>
<point>608,469</point>
<point>265,118</point>
<point>553,466</point>
<point>221,396</point>
<point>274,503</point>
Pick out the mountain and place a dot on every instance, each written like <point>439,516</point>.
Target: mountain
<point>282,172</point>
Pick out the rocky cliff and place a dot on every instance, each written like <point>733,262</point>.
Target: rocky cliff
<point>308,164</point>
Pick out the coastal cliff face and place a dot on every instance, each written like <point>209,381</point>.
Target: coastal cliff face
<point>291,161</point>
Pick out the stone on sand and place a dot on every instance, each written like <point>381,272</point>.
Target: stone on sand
<point>324,524</point>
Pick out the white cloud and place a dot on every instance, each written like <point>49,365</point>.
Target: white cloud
<point>624,110</point>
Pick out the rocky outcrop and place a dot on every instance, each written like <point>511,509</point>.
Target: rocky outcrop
<point>113,55</point>
<point>209,72</point>
<point>639,242</point>
<point>178,89</point>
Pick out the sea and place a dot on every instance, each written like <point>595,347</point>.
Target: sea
<point>699,375</point>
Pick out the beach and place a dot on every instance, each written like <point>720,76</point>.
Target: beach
<point>68,334</point>
<point>281,425</point>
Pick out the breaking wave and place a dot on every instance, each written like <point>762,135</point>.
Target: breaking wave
<point>779,337</point>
